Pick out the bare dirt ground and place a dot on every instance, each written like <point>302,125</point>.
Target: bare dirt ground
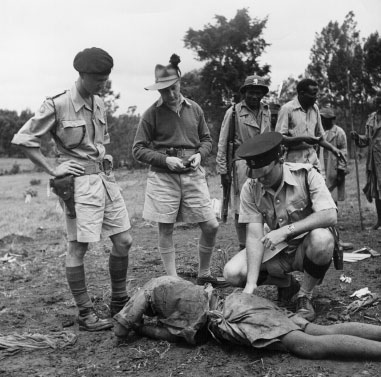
<point>34,298</point>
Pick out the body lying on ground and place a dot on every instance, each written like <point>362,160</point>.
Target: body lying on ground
<point>188,312</point>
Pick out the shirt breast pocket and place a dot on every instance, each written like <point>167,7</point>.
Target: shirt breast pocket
<point>71,132</point>
<point>298,210</point>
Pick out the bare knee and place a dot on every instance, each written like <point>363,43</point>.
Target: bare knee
<point>209,228</point>
<point>122,243</point>
<point>75,253</point>
<point>233,275</point>
<point>320,244</point>
<point>304,345</point>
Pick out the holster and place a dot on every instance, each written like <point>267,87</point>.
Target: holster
<point>64,188</point>
<point>338,256</point>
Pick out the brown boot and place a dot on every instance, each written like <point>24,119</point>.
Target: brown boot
<point>89,321</point>
<point>305,309</point>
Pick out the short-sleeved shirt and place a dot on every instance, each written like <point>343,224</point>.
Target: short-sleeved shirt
<point>294,121</point>
<point>81,130</point>
<point>301,192</point>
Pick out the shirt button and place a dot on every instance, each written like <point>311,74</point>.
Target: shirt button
<point>280,220</point>
<point>277,201</point>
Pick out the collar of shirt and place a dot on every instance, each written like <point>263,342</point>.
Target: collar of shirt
<point>182,100</point>
<point>297,106</point>
<point>287,178</point>
<point>79,102</point>
<point>245,109</point>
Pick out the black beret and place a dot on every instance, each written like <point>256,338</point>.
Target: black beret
<point>93,60</point>
<point>261,150</point>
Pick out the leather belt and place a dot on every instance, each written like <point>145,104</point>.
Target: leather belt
<point>95,168</point>
<point>177,151</point>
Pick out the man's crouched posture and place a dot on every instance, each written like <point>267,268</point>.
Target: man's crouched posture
<point>295,203</point>
<point>188,312</point>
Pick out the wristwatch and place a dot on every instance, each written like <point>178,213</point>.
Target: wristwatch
<point>290,230</point>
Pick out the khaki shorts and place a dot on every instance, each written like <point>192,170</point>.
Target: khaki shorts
<point>286,261</point>
<point>174,197</point>
<point>99,207</point>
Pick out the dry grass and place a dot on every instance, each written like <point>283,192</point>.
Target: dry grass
<point>25,218</point>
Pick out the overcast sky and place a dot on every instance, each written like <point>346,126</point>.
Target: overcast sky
<point>39,39</point>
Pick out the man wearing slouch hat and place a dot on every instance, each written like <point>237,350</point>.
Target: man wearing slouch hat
<point>173,138</point>
<point>77,121</point>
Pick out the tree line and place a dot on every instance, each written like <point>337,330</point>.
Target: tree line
<point>346,67</point>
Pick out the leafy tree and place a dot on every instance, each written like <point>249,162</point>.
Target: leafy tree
<point>372,63</point>
<point>110,98</point>
<point>230,50</point>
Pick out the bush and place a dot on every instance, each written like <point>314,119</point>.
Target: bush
<point>15,168</point>
<point>35,182</point>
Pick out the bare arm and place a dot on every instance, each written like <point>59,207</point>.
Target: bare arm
<point>336,151</point>
<point>254,255</point>
<point>320,219</point>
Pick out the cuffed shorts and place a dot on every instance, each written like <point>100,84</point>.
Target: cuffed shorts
<point>172,197</point>
<point>100,209</point>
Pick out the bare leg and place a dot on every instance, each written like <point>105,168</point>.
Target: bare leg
<point>331,346</point>
<point>206,245</point>
<point>362,330</point>
<point>166,248</point>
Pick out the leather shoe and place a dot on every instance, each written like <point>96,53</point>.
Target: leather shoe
<point>305,309</point>
<point>91,322</point>
<point>219,282</point>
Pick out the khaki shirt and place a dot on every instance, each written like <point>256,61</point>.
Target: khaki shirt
<point>81,130</point>
<point>247,126</point>
<point>292,202</point>
<point>294,121</point>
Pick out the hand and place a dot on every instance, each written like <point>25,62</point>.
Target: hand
<point>69,167</point>
<point>312,140</point>
<point>340,178</point>
<point>273,238</point>
<point>339,155</point>
<point>355,136</point>
<point>195,160</point>
<point>225,180</point>
<point>249,288</point>
<point>174,163</point>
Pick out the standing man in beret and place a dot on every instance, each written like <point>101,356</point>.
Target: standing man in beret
<point>372,140</point>
<point>251,118</point>
<point>294,201</point>
<point>300,124</point>
<point>335,169</point>
<point>173,138</point>
<point>76,119</point>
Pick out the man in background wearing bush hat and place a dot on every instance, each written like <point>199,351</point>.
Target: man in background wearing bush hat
<point>173,138</point>
<point>77,120</point>
<point>294,201</point>
<point>251,117</point>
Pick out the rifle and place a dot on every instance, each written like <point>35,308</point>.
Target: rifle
<point>226,188</point>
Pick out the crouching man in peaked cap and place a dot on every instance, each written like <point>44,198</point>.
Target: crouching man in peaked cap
<point>76,119</point>
<point>173,138</point>
<point>293,200</point>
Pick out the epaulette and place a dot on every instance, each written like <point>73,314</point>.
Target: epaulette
<point>295,166</point>
<point>57,95</point>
